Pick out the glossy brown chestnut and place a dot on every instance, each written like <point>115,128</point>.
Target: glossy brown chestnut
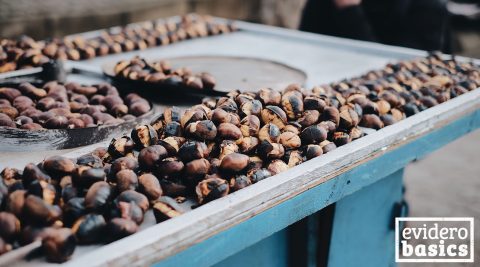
<point>150,186</point>
<point>234,162</point>
<point>89,228</point>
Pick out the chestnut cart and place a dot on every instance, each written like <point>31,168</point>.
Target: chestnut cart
<point>334,210</point>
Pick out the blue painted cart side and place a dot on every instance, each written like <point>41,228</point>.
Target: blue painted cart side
<point>362,233</point>
<point>250,232</point>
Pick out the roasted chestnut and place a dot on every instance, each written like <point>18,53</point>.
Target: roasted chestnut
<point>118,228</point>
<point>292,104</point>
<point>228,131</point>
<point>42,190</point>
<point>123,163</point>
<point>126,180</point>
<point>192,150</point>
<point>58,244</point>
<point>169,167</point>
<point>202,130</point>
<point>341,138</point>
<point>269,132</point>
<point>150,186</point>
<point>130,195</point>
<point>269,151</point>
<point>32,172</point>
<point>15,202</point>
<point>165,208</point>
<point>248,144</point>
<point>313,135</point>
<point>98,196</point>
<point>234,162</point>
<point>294,158</point>
<point>239,182</point>
<point>274,115</point>
<point>211,189</point>
<point>89,228</point>
<point>149,156</point>
<point>250,125</point>
<point>259,174</point>
<point>38,212</point>
<point>277,166</point>
<point>120,147</point>
<point>371,121</point>
<point>144,136</point>
<point>127,210</point>
<point>85,176</point>
<point>348,117</point>
<point>290,140</point>
<point>9,226</point>
<point>313,151</point>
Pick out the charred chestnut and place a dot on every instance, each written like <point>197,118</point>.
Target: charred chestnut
<point>309,117</point>
<point>248,144</point>
<point>211,189</point>
<point>274,115</point>
<point>259,174</point>
<point>313,135</point>
<point>250,125</point>
<point>268,150</point>
<point>348,117</point>
<point>120,147</point>
<point>165,208</point>
<point>294,158</point>
<point>269,132</point>
<point>144,136</point>
<point>341,138</point>
<point>239,182</point>
<point>202,130</point>
<point>292,104</point>
<point>192,150</point>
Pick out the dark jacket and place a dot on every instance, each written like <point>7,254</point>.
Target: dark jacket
<point>421,24</point>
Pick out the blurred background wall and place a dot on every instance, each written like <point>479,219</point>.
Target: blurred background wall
<point>47,18</point>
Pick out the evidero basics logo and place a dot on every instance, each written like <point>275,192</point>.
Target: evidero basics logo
<point>430,239</point>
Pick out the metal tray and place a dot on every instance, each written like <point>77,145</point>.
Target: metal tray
<point>230,73</point>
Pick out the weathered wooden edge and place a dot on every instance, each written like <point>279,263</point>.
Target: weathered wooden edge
<point>175,235</point>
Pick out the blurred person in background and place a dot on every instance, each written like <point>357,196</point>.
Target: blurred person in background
<point>421,24</point>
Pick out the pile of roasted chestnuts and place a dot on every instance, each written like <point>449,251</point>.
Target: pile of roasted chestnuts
<point>208,151</point>
<point>26,52</point>
<point>67,106</point>
<point>161,72</point>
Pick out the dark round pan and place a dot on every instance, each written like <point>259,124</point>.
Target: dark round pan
<point>244,73</point>
<point>13,139</point>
